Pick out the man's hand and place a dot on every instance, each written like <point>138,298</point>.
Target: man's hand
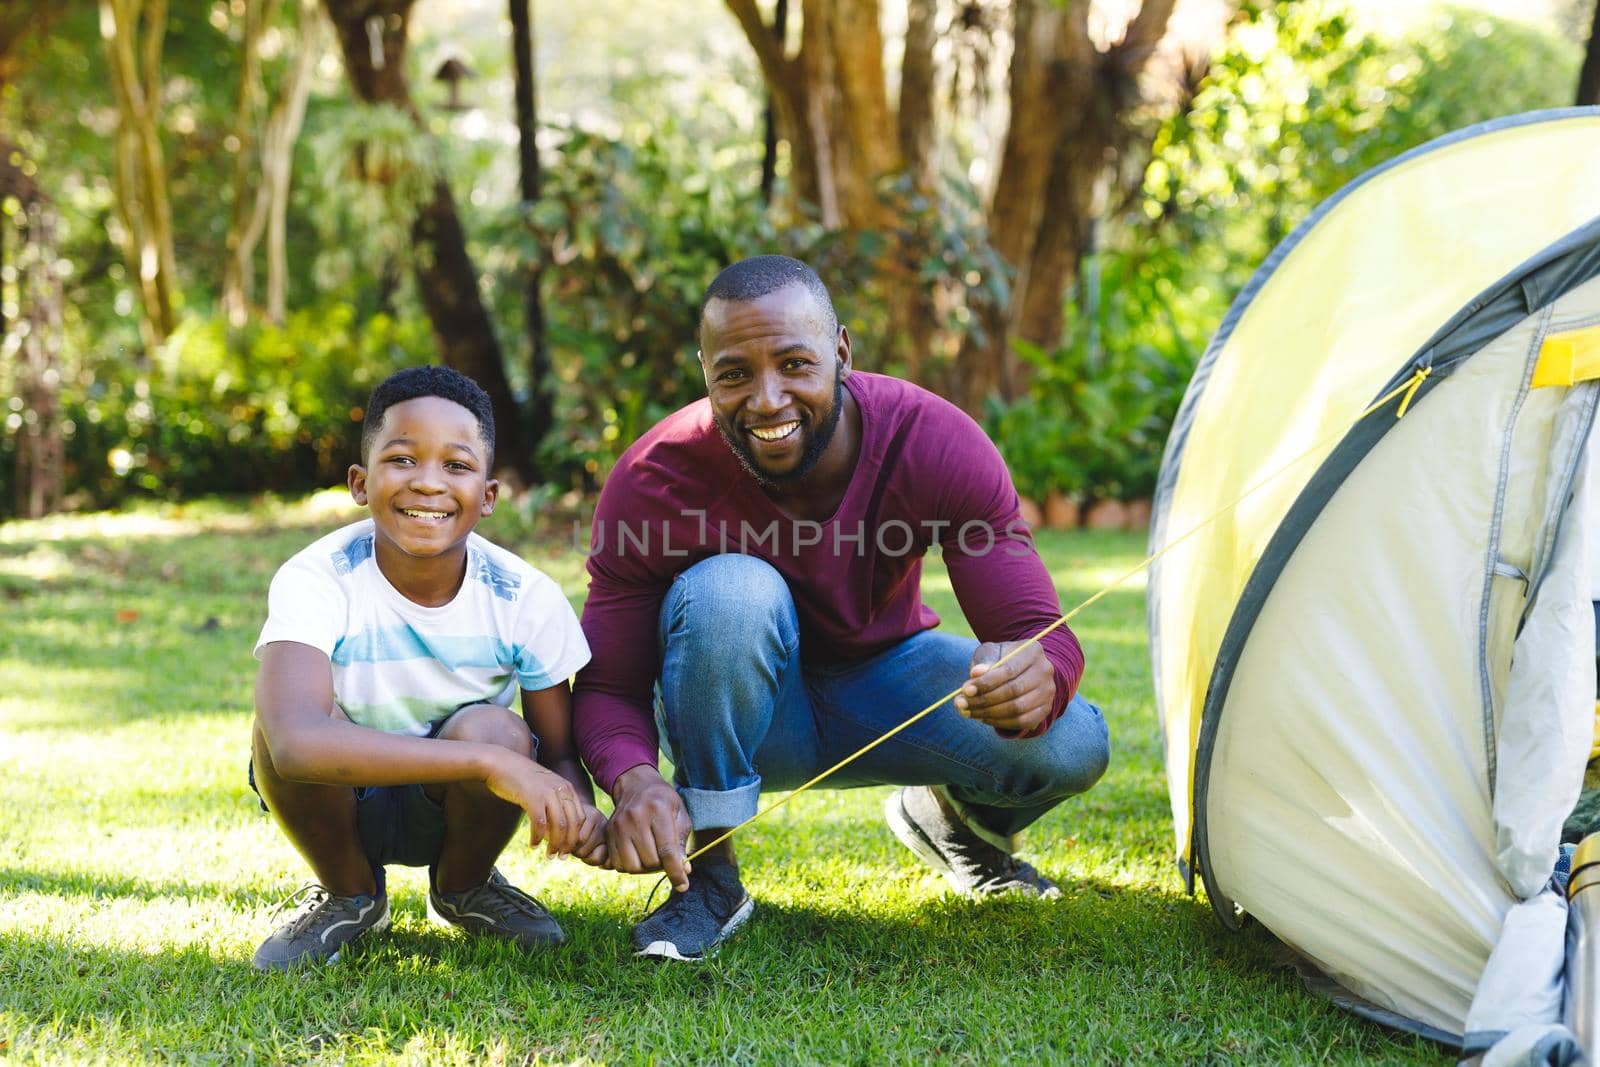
<point>555,815</point>
<point>648,827</point>
<point>1017,695</point>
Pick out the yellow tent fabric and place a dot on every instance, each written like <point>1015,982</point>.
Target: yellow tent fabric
<point>1312,343</point>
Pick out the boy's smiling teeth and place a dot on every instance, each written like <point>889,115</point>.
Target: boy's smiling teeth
<point>776,433</point>
<point>426,513</point>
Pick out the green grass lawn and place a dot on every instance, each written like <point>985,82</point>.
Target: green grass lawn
<point>137,874</point>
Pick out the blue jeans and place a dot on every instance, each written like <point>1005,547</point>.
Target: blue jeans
<point>739,711</point>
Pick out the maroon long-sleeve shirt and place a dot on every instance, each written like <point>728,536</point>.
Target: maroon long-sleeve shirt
<point>925,475</point>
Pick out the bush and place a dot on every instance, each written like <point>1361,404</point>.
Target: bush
<point>275,408</point>
<point>632,231</point>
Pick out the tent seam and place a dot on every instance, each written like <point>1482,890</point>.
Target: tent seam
<point>1563,499</point>
<point>1496,529</point>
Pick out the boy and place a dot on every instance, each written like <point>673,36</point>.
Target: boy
<point>391,651</point>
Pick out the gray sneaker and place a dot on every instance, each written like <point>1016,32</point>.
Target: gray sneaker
<point>323,924</point>
<point>932,828</point>
<point>690,924</point>
<point>499,909</point>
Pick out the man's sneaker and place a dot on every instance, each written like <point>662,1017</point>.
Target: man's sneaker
<point>690,924</point>
<point>322,925</point>
<point>930,826</point>
<point>499,909</point>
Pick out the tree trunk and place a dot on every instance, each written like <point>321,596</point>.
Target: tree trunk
<point>27,259</point>
<point>1044,202</point>
<point>526,86</point>
<point>1071,110</point>
<point>277,154</point>
<point>237,271</point>
<point>769,155</point>
<point>915,111</point>
<point>1017,206</point>
<point>1038,315</point>
<point>269,215</point>
<point>134,58</point>
<point>870,149</point>
<point>372,39</point>
<point>1589,76</point>
<point>914,312</point>
<point>40,457</point>
<point>832,105</point>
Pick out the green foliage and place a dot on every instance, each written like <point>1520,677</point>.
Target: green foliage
<point>628,232</point>
<point>635,220</point>
<point>1098,409</point>
<point>375,170</point>
<point>1300,100</point>
<point>633,232</point>
<point>275,408</point>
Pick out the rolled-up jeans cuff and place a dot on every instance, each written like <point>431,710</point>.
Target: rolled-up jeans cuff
<point>710,808</point>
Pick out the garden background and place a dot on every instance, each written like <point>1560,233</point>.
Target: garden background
<point>222,221</point>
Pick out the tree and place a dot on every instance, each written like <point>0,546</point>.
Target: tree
<point>1074,107</point>
<point>261,191</point>
<point>525,89</point>
<point>134,33</point>
<point>28,212</point>
<point>372,36</point>
<point>1044,200</point>
<point>28,264</point>
<point>1589,76</point>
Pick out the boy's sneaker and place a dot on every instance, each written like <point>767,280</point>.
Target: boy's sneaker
<point>690,924</point>
<point>323,924</point>
<point>931,827</point>
<point>499,909</point>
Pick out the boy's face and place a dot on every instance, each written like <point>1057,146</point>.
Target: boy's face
<point>427,477</point>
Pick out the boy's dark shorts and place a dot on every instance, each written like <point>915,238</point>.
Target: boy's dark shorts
<point>398,824</point>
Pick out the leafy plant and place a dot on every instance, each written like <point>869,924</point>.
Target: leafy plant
<point>278,408</point>
<point>376,170</point>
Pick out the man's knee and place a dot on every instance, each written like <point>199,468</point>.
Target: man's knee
<point>1067,760</point>
<point>730,597</point>
<point>489,724</point>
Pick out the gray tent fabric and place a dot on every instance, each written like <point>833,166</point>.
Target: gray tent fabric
<point>1521,988</point>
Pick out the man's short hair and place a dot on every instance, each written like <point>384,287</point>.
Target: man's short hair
<point>750,279</point>
<point>415,382</point>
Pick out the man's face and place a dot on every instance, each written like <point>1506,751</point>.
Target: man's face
<point>427,477</point>
<point>775,376</point>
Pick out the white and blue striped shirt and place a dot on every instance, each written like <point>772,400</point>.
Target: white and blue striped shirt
<point>399,666</point>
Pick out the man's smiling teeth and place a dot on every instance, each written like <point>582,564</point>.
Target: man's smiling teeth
<point>775,433</point>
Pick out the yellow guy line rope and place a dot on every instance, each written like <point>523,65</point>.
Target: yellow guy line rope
<point>1409,387</point>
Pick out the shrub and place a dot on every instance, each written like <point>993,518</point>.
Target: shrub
<point>274,408</point>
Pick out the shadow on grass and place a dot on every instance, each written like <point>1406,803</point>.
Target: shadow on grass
<point>1105,974</point>
<point>14,880</point>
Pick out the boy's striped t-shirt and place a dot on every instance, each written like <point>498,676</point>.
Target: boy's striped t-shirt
<point>399,666</point>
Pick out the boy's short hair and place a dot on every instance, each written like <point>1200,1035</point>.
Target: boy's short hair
<point>415,382</point>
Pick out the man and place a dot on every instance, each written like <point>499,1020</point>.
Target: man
<point>755,577</point>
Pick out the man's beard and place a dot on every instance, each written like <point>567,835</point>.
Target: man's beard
<point>816,443</point>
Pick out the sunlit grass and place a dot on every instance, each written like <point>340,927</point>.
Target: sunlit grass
<point>138,873</point>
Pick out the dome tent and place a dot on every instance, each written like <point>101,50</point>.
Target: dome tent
<point>1375,674</point>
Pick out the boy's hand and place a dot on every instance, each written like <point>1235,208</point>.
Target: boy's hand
<point>555,815</point>
<point>591,847</point>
